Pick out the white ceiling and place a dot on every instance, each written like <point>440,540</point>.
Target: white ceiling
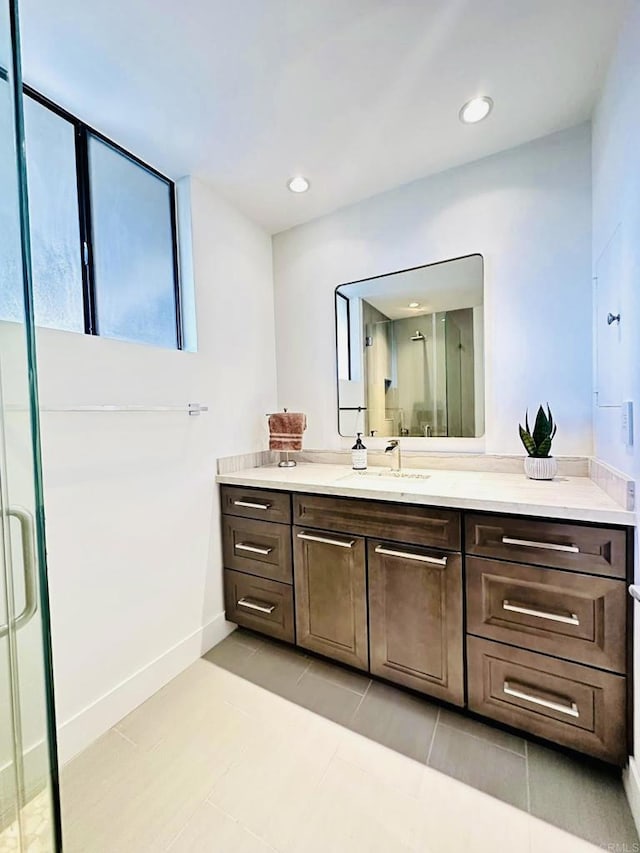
<point>358,95</point>
<point>438,287</point>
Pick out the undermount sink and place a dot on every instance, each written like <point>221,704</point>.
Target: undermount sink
<point>387,475</point>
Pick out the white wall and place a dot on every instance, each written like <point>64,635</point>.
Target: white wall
<point>616,204</point>
<point>131,504</point>
<point>528,212</point>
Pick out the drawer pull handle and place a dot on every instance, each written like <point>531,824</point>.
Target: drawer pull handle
<point>254,549</point>
<point>541,614</point>
<point>570,710</point>
<point>550,546</point>
<point>251,505</point>
<point>253,604</point>
<point>405,555</point>
<point>341,543</point>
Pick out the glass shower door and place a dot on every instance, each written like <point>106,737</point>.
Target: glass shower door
<point>29,815</point>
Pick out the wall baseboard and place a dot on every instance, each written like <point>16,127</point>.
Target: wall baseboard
<point>77,733</point>
<point>631,782</point>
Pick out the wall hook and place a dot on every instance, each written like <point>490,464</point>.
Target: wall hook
<point>612,318</point>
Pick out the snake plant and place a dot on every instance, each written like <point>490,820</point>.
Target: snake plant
<point>538,443</point>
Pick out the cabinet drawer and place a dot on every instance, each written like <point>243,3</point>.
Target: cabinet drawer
<point>257,547</point>
<point>570,615</point>
<point>256,503</point>
<point>566,703</point>
<point>415,618</point>
<point>433,528</point>
<point>591,550</point>
<point>265,606</point>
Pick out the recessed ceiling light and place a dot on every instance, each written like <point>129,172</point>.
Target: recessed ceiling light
<point>476,109</point>
<point>414,305</point>
<point>299,184</point>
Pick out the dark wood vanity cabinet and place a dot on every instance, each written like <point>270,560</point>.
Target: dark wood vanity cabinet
<point>414,600</point>
<point>540,608</point>
<point>547,611</point>
<point>258,570</point>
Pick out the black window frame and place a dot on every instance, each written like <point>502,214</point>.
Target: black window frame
<point>82,132</point>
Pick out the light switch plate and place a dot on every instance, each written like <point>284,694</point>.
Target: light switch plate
<point>626,422</point>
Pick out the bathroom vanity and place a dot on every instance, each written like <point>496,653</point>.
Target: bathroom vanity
<point>521,616</point>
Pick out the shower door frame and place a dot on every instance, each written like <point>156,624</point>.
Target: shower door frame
<point>40,605</point>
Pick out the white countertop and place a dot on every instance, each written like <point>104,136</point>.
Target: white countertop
<point>574,498</point>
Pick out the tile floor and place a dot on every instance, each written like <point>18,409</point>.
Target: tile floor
<point>36,824</point>
<point>227,757</point>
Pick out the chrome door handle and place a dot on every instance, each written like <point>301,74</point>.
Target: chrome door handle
<point>341,543</point>
<point>570,710</point>
<point>28,536</point>
<point>551,546</point>
<point>541,614</point>
<point>251,505</point>
<point>405,555</point>
<point>254,549</point>
<point>254,604</point>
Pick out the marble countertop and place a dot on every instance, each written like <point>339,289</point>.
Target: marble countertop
<point>573,498</point>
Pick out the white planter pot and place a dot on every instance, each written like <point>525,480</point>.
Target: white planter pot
<point>540,468</point>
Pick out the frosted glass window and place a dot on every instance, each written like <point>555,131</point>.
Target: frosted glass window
<point>134,276</point>
<point>53,218</point>
<point>11,295</point>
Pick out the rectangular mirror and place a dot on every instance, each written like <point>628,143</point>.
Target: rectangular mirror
<point>410,352</point>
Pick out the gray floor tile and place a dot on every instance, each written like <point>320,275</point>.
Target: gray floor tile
<point>397,720</point>
<point>326,698</point>
<point>247,638</point>
<point>231,655</point>
<point>481,764</point>
<point>573,795</point>
<point>581,798</point>
<point>340,675</point>
<point>481,730</point>
<point>275,667</point>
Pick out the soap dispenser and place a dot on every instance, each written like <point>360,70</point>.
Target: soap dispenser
<point>359,454</point>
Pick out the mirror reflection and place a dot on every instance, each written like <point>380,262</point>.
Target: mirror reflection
<point>410,352</point>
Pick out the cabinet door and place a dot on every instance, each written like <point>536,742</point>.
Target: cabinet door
<point>331,595</point>
<point>415,618</point>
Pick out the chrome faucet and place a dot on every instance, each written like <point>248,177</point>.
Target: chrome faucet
<point>396,459</point>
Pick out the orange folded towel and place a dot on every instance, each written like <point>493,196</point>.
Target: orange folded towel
<point>285,430</point>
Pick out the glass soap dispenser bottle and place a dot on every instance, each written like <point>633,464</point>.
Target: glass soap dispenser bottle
<point>359,455</point>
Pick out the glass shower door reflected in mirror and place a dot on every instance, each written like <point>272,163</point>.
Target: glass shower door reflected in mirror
<point>28,776</point>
